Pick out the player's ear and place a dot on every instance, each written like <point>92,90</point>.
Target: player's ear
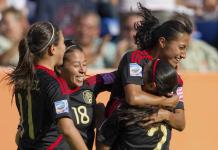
<point>52,50</point>
<point>153,85</point>
<point>150,86</point>
<point>162,42</point>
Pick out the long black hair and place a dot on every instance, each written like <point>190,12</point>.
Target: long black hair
<point>165,77</point>
<point>40,37</point>
<point>148,30</point>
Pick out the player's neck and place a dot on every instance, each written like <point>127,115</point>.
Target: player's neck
<point>46,63</point>
<point>154,52</point>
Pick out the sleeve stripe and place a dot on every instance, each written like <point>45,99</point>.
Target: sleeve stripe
<point>179,92</point>
<point>108,78</point>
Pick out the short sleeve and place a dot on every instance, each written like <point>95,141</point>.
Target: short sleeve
<point>58,101</point>
<point>130,72</point>
<point>101,82</point>
<point>108,132</point>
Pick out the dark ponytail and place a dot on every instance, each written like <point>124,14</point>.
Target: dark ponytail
<point>38,40</point>
<point>144,28</point>
<point>22,75</point>
<point>149,30</point>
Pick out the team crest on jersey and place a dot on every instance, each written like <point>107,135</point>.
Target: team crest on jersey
<point>61,106</point>
<point>135,69</point>
<point>87,96</point>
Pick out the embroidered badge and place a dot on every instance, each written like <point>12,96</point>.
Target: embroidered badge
<point>87,96</point>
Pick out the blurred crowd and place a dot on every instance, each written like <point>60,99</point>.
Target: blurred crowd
<point>105,28</point>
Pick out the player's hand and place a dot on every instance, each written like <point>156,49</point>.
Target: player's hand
<point>170,101</point>
<point>160,116</point>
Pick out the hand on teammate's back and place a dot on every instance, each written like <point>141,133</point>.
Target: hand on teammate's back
<point>161,115</point>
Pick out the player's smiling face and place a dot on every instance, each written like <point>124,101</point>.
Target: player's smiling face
<point>174,51</point>
<point>74,69</point>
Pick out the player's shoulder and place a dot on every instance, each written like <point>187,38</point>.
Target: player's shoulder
<point>46,78</point>
<point>51,82</point>
<point>45,75</point>
<point>139,56</point>
<point>101,79</point>
<point>92,80</point>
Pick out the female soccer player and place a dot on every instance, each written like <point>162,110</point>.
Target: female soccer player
<point>167,41</point>
<point>123,131</point>
<point>41,99</point>
<point>86,113</point>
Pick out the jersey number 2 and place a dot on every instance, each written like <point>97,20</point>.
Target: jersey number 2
<point>163,129</point>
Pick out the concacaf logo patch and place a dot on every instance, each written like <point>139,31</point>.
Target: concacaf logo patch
<point>135,69</point>
<point>87,96</point>
<point>61,106</point>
